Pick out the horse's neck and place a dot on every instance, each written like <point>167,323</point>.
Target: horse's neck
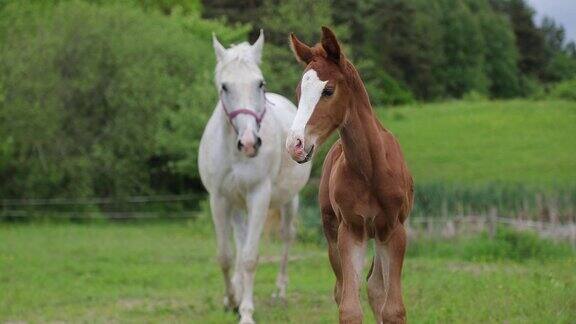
<point>360,135</point>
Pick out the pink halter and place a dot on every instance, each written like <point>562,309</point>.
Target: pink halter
<point>243,111</point>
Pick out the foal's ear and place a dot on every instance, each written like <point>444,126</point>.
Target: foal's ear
<point>330,44</point>
<point>258,46</point>
<point>302,51</point>
<point>218,48</point>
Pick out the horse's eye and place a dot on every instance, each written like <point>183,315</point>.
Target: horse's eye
<point>261,85</point>
<point>327,92</point>
<point>224,88</point>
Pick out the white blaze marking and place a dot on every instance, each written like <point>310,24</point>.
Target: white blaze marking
<point>311,89</point>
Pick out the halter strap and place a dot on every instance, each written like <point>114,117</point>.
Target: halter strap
<point>243,111</point>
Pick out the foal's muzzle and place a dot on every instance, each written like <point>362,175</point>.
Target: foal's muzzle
<point>297,149</point>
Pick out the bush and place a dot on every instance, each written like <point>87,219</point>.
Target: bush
<point>116,97</point>
<point>564,90</point>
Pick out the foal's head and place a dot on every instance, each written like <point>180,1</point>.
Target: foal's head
<point>241,88</point>
<point>322,95</point>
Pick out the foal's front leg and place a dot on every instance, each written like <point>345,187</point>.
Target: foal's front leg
<point>258,202</point>
<point>351,247</point>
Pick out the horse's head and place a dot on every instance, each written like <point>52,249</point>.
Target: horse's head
<point>242,93</point>
<point>321,94</point>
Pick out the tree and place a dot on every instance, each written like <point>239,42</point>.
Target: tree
<point>108,91</point>
<point>529,39</point>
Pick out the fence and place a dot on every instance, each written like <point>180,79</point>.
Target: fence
<point>449,227</point>
<point>136,207</point>
<point>187,205</point>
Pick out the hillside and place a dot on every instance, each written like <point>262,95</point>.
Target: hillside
<point>462,142</point>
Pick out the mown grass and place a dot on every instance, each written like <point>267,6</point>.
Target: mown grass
<point>166,272</point>
<point>517,141</point>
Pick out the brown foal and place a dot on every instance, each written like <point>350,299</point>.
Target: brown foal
<point>366,190</point>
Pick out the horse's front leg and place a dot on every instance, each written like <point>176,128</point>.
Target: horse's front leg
<point>220,208</point>
<point>288,232</point>
<point>258,202</point>
<point>239,225</point>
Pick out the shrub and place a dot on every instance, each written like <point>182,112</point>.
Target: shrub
<point>103,100</point>
<point>564,90</point>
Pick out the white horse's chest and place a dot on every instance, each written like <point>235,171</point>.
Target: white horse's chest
<point>224,171</point>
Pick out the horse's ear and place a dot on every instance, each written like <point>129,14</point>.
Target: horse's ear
<point>302,51</point>
<point>258,46</point>
<point>218,48</point>
<point>330,44</point>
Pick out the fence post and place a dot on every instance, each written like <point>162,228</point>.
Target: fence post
<point>492,222</point>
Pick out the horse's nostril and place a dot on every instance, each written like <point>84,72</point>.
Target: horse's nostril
<point>239,145</point>
<point>258,142</point>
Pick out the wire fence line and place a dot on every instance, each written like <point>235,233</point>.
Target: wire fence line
<point>97,200</point>
<point>448,227</point>
<point>445,226</point>
<point>23,214</point>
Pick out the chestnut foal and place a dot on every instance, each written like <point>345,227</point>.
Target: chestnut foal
<point>366,189</point>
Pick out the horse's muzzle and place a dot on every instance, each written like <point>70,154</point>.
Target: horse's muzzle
<point>249,148</point>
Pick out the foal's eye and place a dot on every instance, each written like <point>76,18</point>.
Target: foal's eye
<point>327,92</point>
<point>224,88</point>
<point>261,85</point>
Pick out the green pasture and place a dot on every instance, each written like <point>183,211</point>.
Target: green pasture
<point>473,143</point>
<point>167,272</point>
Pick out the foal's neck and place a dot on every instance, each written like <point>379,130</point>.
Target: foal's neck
<point>360,133</point>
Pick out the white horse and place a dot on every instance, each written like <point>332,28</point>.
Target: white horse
<point>246,170</point>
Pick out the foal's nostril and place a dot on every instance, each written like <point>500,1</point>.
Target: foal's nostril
<point>258,142</point>
<point>298,143</point>
<point>239,145</point>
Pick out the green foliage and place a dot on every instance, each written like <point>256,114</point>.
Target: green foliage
<point>564,90</point>
<point>562,67</point>
<point>164,6</point>
<point>383,89</point>
<point>463,50</point>
<point>529,39</point>
<point>302,17</point>
<point>116,98</point>
<point>500,55</point>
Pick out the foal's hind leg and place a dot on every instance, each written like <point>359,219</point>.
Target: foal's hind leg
<point>288,231</point>
<point>378,281</point>
<point>384,284</point>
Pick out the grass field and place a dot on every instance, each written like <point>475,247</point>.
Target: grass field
<point>528,142</point>
<point>166,272</point>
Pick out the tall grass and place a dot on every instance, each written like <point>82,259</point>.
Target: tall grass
<point>507,244</point>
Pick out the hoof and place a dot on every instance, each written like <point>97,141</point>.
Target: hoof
<point>230,306</point>
<point>247,321</point>
<point>279,298</point>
